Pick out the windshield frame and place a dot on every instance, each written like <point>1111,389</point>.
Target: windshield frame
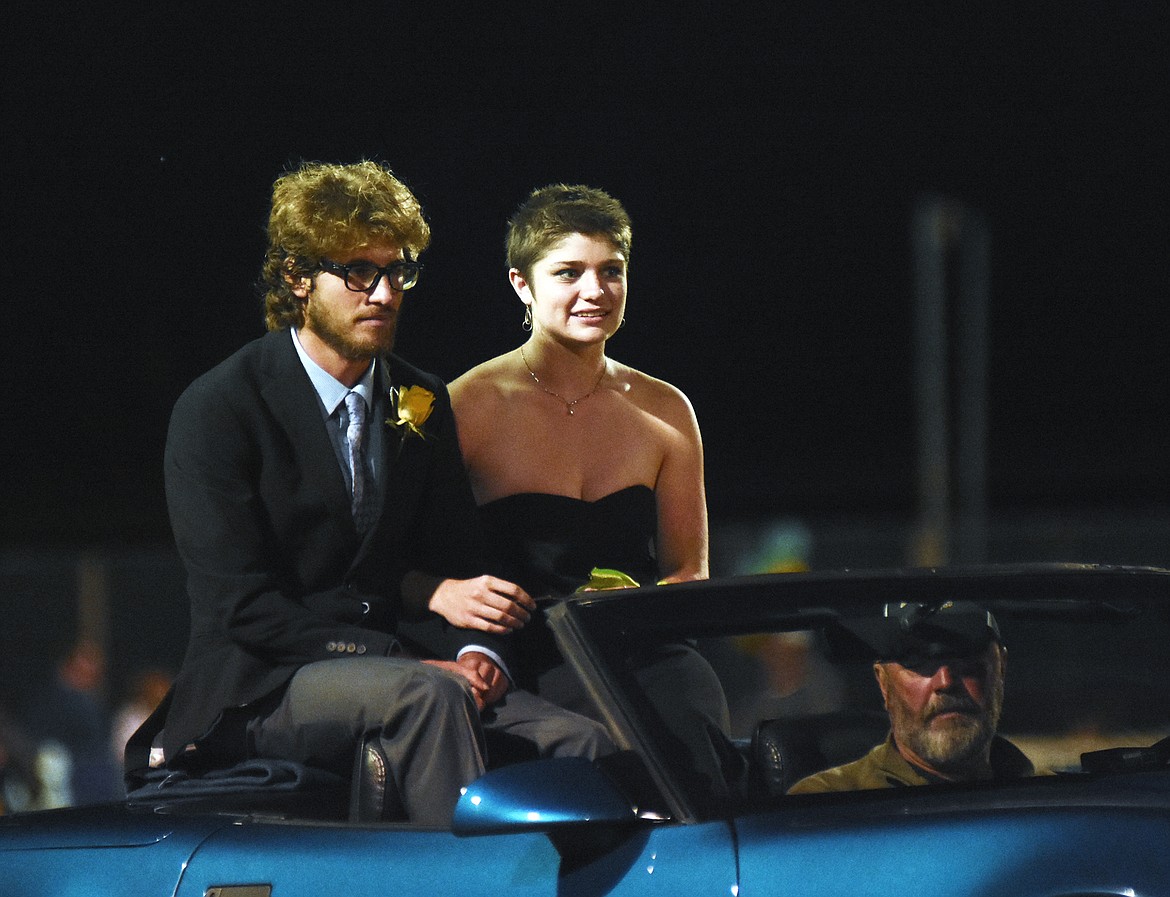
<point>595,630</point>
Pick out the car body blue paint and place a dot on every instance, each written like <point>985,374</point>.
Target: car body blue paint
<point>1010,851</point>
<point>540,795</point>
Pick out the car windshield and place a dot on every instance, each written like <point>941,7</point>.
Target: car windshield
<point>1071,684</point>
<point>1080,673</point>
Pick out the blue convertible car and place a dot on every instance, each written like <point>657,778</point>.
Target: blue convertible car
<point>1086,698</point>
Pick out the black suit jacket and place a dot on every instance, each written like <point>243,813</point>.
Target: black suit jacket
<point>277,574</point>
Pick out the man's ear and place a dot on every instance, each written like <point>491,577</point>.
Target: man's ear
<point>300,286</point>
<point>879,673</point>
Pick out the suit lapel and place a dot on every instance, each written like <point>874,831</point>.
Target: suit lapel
<point>399,461</point>
<point>289,393</point>
<point>389,485</point>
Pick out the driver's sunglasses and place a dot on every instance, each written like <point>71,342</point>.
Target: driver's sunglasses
<point>362,277</point>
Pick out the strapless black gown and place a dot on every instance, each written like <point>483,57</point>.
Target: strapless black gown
<point>549,544</point>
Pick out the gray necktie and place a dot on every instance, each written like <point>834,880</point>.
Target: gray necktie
<point>355,434</point>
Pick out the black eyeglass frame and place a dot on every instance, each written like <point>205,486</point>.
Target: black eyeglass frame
<point>394,270</point>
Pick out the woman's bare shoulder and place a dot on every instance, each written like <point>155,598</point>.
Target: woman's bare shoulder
<point>653,395</point>
<point>482,383</point>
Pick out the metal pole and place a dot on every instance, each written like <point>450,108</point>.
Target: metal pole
<point>971,449</point>
<point>931,227</point>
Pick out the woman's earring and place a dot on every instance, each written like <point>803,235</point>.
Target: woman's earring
<point>623,322</point>
<point>526,324</point>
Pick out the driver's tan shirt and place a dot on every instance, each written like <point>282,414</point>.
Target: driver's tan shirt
<point>885,767</point>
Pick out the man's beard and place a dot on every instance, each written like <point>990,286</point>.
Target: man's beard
<point>957,746</point>
<point>341,334</point>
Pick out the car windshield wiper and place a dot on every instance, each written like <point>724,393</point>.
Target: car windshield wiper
<point>1128,759</point>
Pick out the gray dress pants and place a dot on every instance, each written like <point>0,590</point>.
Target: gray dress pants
<point>427,723</point>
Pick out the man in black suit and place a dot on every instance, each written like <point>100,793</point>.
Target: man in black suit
<point>319,500</point>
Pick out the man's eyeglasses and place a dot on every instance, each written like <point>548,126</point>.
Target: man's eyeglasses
<point>362,277</point>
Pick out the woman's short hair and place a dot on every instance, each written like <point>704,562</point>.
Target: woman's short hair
<point>551,213</point>
<point>322,209</point>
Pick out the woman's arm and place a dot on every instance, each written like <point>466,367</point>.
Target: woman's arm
<point>682,497</point>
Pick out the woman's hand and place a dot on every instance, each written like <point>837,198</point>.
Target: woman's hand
<point>485,603</point>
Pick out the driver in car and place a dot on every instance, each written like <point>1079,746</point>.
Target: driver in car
<point>941,674</point>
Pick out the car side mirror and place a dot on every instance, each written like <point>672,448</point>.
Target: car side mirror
<point>541,795</point>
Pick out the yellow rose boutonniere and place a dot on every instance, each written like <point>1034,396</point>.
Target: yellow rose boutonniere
<point>414,405</point>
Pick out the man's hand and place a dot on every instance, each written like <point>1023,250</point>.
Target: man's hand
<point>488,682</point>
<point>485,603</point>
<point>485,668</point>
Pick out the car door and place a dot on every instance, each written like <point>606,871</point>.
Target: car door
<point>98,851</point>
<point>994,851</point>
<point>278,859</point>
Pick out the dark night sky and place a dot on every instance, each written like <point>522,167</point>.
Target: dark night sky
<point>770,156</point>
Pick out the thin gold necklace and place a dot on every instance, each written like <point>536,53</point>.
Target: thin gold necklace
<point>568,405</point>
